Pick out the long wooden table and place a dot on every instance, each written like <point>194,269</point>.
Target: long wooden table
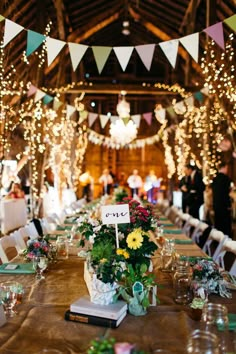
<point>40,322</point>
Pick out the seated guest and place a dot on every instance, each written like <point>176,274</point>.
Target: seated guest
<point>16,192</point>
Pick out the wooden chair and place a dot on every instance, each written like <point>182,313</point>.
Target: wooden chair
<point>8,248</point>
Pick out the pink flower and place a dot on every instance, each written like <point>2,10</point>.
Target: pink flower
<point>123,348</point>
<point>36,245</point>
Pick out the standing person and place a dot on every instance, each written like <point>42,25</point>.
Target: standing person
<point>184,186</point>
<point>135,183</point>
<point>196,188</point>
<point>151,183</point>
<point>16,192</point>
<point>221,187</point>
<point>86,181</point>
<point>106,181</point>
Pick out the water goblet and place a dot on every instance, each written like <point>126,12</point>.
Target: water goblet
<point>40,263</point>
<point>8,297</point>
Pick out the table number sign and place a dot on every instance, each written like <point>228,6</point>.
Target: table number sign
<point>116,214</point>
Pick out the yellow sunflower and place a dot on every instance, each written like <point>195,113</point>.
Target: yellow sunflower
<point>135,239</point>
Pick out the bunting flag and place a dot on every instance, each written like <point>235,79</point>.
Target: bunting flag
<point>123,55</point>
<point>148,117</point>
<point>34,40</point>
<point>231,22</point>
<point>56,104</point>
<point>216,33</point>
<point>125,120</point>
<point>82,116</point>
<point>12,29</point>
<point>47,99</point>
<point>160,115</point>
<point>77,52</point>
<point>54,46</point>
<point>146,53</point>
<point>199,96</point>
<point>103,120</point>
<point>205,91</point>
<point>32,90</point>
<point>101,55</point>
<point>39,95</point>
<point>2,18</point>
<point>180,107</point>
<point>136,118</point>
<point>189,101</point>
<point>191,44</point>
<point>113,119</point>
<point>171,111</point>
<point>69,110</point>
<point>91,118</point>
<point>170,49</point>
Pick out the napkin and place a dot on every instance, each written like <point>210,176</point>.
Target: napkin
<point>163,218</point>
<point>194,259</point>
<point>174,231</point>
<point>168,224</point>
<point>64,228</point>
<point>183,242</point>
<point>70,221</point>
<point>232,321</point>
<point>22,268</point>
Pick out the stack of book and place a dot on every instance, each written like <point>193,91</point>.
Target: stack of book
<point>85,311</point>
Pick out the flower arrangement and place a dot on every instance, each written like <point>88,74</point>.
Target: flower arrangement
<point>119,194</point>
<point>110,346</point>
<point>207,279</point>
<point>36,248</point>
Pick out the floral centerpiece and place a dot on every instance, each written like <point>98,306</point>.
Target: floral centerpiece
<point>207,279</point>
<point>110,346</point>
<point>36,248</point>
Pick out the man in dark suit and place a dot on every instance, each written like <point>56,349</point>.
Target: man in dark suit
<point>184,186</point>
<point>196,189</point>
<point>221,187</point>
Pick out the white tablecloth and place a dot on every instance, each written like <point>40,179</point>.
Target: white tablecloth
<point>13,214</point>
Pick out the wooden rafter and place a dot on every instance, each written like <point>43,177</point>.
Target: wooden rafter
<point>192,6</point>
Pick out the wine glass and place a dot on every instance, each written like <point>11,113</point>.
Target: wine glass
<point>72,234</point>
<point>40,263</point>
<point>8,296</point>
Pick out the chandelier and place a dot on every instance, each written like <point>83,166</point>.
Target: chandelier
<point>122,133</point>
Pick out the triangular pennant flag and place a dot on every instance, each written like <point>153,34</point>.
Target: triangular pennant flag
<point>198,95</point>
<point>231,22</point>
<point>148,117</point>
<point>34,40</point>
<point>2,18</point>
<point>69,110</point>
<point>123,55</point>
<point>136,118</point>
<point>103,120</point>
<point>39,95</point>
<point>205,90</point>
<point>146,52</point>
<point>54,46</point>
<point>191,44</point>
<point>77,52</point>
<point>82,116</point>
<point>170,49</point>
<point>216,33</point>
<point>189,101</point>
<point>171,111</point>
<point>160,115</point>
<point>125,120</point>
<point>56,104</point>
<point>91,118</point>
<point>113,119</point>
<point>12,29</point>
<point>180,107</point>
<point>47,99</point>
<point>101,55</point>
<point>32,90</point>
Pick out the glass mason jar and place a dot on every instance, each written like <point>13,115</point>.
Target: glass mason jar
<point>167,257</point>
<point>182,282</point>
<point>62,247</point>
<point>202,342</point>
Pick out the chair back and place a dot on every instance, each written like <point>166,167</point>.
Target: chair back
<point>20,242</point>
<point>226,259</point>
<point>8,248</point>
<point>214,243</point>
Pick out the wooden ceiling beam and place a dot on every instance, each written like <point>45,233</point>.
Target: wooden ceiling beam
<point>192,6</point>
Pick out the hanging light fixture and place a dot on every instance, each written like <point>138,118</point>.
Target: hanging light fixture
<point>123,133</point>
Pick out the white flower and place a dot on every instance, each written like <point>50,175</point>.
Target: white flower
<point>97,228</point>
<point>121,236</point>
<point>91,238</point>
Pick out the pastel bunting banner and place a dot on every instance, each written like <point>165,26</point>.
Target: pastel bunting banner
<point>231,22</point>
<point>47,99</point>
<point>123,55</point>
<point>101,55</point>
<point>11,30</point>
<point>32,90</point>
<point>216,33</point>
<point>39,95</point>
<point>189,101</point>
<point>205,91</point>
<point>170,49</point>
<point>77,52</point>
<point>2,18</point>
<point>91,118</point>
<point>171,111</point>
<point>199,96</point>
<point>160,115</point>
<point>34,40</point>
<point>69,110</point>
<point>104,118</point>
<point>56,104</point>
<point>136,118</point>
<point>191,44</point>
<point>113,119</point>
<point>148,117</point>
<point>146,53</point>
<point>180,107</point>
<point>54,46</point>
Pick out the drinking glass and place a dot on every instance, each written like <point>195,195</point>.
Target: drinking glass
<point>40,263</point>
<point>203,342</point>
<point>8,297</point>
<point>215,320</point>
<point>167,257</point>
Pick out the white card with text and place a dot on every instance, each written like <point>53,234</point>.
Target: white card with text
<point>115,214</point>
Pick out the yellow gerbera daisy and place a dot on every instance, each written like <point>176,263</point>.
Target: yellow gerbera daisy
<point>126,254</point>
<point>103,260</point>
<point>135,239</point>
<point>119,251</point>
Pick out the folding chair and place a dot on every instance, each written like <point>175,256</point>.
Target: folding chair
<point>8,248</point>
